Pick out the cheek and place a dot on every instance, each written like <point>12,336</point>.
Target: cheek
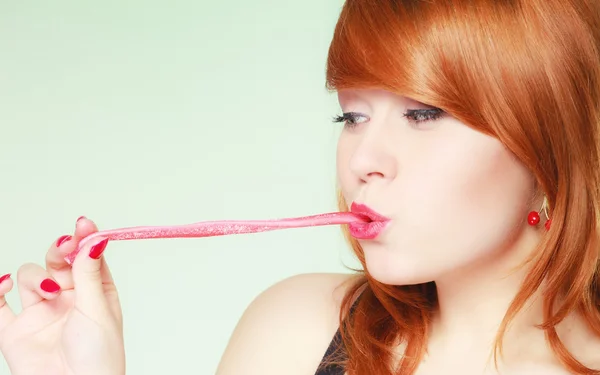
<point>345,178</point>
<point>478,173</point>
<point>464,200</point>
<point>491,190</point>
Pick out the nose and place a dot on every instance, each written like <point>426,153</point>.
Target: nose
<point>373,157</point>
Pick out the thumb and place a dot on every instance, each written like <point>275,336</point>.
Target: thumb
<point>87,276</point>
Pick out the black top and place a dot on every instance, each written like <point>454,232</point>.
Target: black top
<point>332,369</point>
<point>335,345</point>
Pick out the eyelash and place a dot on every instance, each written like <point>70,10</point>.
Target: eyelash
<point>416,116</point>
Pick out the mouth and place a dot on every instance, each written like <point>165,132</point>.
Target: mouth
<point>367,213</point>
<point>373,225</point>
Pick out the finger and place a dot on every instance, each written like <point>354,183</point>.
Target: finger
<point>35,284</point>
<point>6,314</point>
<point>110,290</point>
<point>60,272</point>
<point>88,274</point>
<point>105,273</point>
<point>55,257</point>
<point>84,228</point>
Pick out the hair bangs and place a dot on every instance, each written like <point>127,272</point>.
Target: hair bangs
<point>376,45</point>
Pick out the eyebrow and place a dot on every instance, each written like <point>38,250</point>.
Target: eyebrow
<point>354,95</point>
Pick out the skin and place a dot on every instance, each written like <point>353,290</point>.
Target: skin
<point>438,181</point>
<point>458,201</point>
<point>77,330</point>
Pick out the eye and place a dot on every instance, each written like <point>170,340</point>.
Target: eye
<point>350,119</point>
<point>414,116</point>
<point>418,116</point>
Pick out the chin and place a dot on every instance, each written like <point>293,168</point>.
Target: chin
<point>391,268</point>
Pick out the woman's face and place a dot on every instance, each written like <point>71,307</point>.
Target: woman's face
<point>457,198</point>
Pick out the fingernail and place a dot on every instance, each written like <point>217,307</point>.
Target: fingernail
<point>4,277</point>
<point>50,286</point>
<point>62,239</point>
<point>79,218</point>
<point>97,250</point>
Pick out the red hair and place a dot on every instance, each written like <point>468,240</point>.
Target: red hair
<point>524,71</point>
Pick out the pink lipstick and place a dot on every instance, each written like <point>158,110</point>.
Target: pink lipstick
<point>370,229</point>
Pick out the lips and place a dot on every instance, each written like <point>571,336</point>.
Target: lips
<point>369,229</point>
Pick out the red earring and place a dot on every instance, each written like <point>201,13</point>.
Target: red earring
<point>534,218</point>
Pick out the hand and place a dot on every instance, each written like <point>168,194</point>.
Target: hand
<point>71,321</point>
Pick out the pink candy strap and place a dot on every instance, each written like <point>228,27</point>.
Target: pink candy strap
<point>218,228</point>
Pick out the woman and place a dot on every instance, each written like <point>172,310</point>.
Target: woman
<point>471,134</point>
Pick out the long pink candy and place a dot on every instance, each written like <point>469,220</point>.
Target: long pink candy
<point>218,228</point>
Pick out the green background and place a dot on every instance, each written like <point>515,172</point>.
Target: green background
<point>170,112</point>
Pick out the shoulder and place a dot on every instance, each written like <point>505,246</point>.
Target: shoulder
<point>288,327</point>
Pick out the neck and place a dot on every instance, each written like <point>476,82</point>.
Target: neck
<point>473,303</point>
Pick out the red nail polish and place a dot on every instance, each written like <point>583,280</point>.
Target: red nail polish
<point>97,250</point>
<point>50,286</point>
<point>79,218</point>
<point>4,277</point>
<point>62,239</point>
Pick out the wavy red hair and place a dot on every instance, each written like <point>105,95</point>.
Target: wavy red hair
<point>524,71</point>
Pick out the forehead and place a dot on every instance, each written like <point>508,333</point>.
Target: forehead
<point>364,94</point>
<point>372,96</point>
